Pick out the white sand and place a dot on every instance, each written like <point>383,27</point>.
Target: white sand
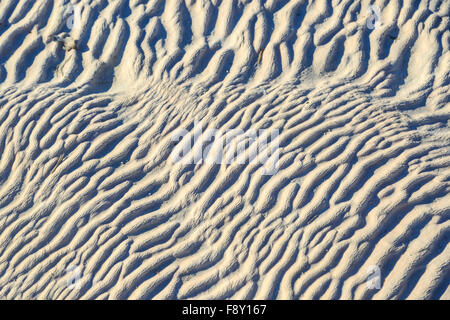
<point>89,191</point>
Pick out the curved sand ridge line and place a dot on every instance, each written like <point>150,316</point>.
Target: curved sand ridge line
<point>87,181</point>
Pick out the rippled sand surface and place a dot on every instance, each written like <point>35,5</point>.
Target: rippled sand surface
<point>93,205</point>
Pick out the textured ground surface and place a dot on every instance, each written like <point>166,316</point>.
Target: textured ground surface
<point>87,181</point>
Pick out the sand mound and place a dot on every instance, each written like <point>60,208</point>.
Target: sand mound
<point>93,203</point>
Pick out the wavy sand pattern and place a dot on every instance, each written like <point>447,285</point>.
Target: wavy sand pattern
<point>86,122</point>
